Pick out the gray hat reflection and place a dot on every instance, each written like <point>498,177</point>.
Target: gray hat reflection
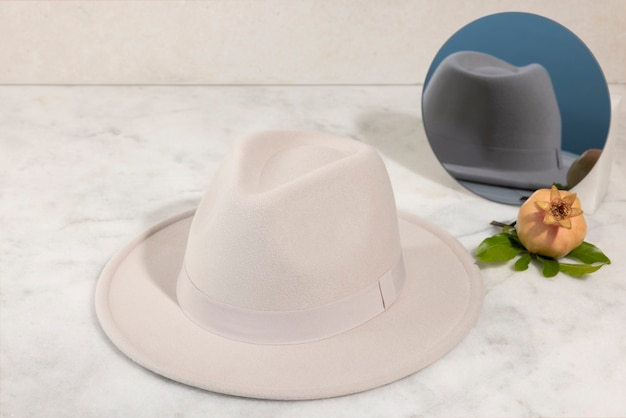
<point>494,123</point>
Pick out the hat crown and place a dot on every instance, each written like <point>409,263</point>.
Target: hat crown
<point>293,221</point>
<point>484,112</point>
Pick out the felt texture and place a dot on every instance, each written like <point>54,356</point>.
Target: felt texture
<point>439,302</point>
<point>304,225</point>
<point>489,120</point>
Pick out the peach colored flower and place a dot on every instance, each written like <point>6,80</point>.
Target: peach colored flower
<point>559,210</point>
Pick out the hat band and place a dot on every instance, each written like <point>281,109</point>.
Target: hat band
<point>294,326</point>
<point>462,151</point>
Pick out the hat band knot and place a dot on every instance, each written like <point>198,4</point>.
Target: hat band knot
<point>293,326</point>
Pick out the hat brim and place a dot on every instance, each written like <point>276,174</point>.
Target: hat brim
<point>137,308</point>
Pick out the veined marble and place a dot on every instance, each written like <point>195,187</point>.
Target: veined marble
<point>83,169</point>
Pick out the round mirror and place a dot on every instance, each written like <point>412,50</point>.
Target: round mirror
<point>514,102</point>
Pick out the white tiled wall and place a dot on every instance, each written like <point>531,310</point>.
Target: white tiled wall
<point>265,41</point>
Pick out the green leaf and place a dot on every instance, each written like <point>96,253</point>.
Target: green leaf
<point>522,263</point>
<point>577,270</point>
<point>550,266</point>
<point>499,247</point>
<point>588,254</point>
<point>511,231</point>
<point>506,245</point>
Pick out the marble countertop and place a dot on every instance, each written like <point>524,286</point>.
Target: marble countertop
<point>84,169</point>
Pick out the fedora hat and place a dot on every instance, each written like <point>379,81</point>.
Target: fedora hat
<point>491,122</point>
<point>294,278</point>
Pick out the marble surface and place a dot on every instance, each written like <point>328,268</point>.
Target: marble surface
<point>83,169</point>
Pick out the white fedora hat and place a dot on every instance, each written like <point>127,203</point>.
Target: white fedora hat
<point>491,122</point>
<point>295,278</point>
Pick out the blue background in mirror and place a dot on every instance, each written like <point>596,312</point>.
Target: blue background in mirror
<point>579,84</point>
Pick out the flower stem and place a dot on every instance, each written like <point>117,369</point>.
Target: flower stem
<point>502,225</point>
